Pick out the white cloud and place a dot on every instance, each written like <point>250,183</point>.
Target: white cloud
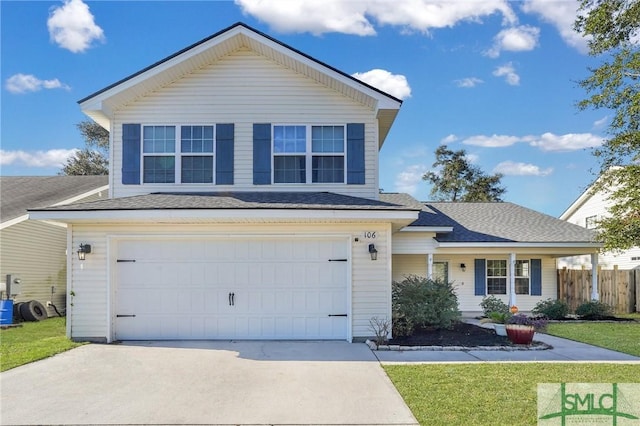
<point>509,73</point>
<point>23,83</point>
<point>562,15</point>
<point>407,180</point>
<point>515,39</point>
<point>358,17</point>
<point>599,124</point>
<point>510,168</point>
<point>568,142</point>
<point>50,158</point>
<point>393,84</point>
<point>72,27</point>
<point>468,82</point>
<point>494,141</point>
<point>449,139</point>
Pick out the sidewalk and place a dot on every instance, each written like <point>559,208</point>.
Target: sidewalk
<point>564,350</point>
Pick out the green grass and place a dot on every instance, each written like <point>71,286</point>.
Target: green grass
<point>491,394</point>
<point>619,336</point>
<point>33,341</point>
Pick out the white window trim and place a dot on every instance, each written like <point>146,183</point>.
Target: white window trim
<point>486,273</point>
<point>308,154</point>
<point>177,154</point>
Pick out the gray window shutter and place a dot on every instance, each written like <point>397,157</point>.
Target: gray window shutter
<point>262,154</point>
<point>224,154</point>
<point>480,272</point>
<point>355,154</point>
<point>131,154</point>
<point>536,277</point>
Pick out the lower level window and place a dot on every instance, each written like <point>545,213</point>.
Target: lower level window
<point>522,276</point>
<point>441,271</point>
<point>496,277</point>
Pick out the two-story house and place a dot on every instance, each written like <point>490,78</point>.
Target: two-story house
<point>245,204</point>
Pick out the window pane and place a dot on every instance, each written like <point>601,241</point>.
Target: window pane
<point>289,139</point>
<point>197,139</point>
<point>159,139</point>
<point>197,169</point>
<point>441,271</point>
<point>327,139</point>
<point>522,268</point>
<point>522,285</point>
<point>159,169</point>
<point>496,268</point>
<point>289,169</point>
<point>496,285</point>
<point>328,169</point>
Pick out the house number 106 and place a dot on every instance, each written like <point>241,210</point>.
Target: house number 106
<point>370,234</point>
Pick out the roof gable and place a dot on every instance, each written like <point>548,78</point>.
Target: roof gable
<point>101,105</point>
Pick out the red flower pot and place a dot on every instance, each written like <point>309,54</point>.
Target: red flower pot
<point>520,334</point>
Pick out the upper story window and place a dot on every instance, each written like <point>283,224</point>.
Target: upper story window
<point>591,222</point>
<point>304,154</point>
<point>193,163</point>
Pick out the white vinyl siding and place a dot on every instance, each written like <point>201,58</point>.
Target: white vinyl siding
<point>414,243</point>
<point>369,280</point>
<point>35,252</point>
<point>245,88</point>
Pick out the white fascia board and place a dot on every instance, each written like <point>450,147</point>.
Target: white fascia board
<point>521,245</point>
<point>81,196</point>
<point>204,214</point>
<point>439,229</point>
<point>14,221</point>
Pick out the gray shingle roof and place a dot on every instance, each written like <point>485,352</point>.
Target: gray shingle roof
<point>235,200</point>
<point>499,222</point>
<point>19,193</point>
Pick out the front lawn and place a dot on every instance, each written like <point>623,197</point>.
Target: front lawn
<point>33,341</point>
<point>491,393</point>
<point>619,336</point>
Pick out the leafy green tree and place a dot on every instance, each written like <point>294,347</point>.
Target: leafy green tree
<point>456,179</point>
<point>613,31</point>
<point>93,159</point>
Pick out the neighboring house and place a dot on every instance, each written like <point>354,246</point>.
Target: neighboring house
<point>245,204</point>
<point>586,211</point>
<point>35,251</point>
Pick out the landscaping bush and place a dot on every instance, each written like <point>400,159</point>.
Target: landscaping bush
<point>493,304</point>
<point>593,310</point>
<point>420,302</point>
<point>552,309</point>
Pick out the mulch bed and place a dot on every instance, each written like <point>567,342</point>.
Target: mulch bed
<point>462,334</point>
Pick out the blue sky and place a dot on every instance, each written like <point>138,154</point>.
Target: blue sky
<point>493,77</point>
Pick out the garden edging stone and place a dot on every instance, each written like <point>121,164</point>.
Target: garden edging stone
<point>539,346</point>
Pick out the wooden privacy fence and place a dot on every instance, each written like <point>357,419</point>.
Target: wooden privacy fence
<point>618,288</point>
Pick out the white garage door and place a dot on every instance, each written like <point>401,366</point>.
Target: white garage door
<point>293,288</point>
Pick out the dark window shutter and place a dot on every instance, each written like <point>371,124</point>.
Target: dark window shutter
<point>480,272</point>
<point>131,154</point>
<point>355,154</point>
<point>536,277</point>
<point>262,154</point>
<point>224,154</point>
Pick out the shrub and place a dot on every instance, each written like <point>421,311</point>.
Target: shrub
<point>593,310</point>
<point>493,304</point>
<point>420,302</point>
<point>552,309</point>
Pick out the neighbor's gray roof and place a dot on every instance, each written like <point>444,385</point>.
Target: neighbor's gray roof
<point>19,193</point>
<point>235,200</point>
<point>499,222</point>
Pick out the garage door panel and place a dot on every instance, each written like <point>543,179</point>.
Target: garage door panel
<point>282,289</point>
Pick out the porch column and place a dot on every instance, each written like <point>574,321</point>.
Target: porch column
<point>430,266</point>
<point>512,279</point>
<point>594,277</point>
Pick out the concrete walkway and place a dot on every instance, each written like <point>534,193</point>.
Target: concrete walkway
<point>564,350</point>
<point>208,382</point>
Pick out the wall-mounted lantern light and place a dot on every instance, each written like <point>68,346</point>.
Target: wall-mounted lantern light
<point>373,252</point>
<point>463,267</point>
<point>83,250</point>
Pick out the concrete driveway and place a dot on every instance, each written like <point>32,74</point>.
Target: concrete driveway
<point>289,383</point>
